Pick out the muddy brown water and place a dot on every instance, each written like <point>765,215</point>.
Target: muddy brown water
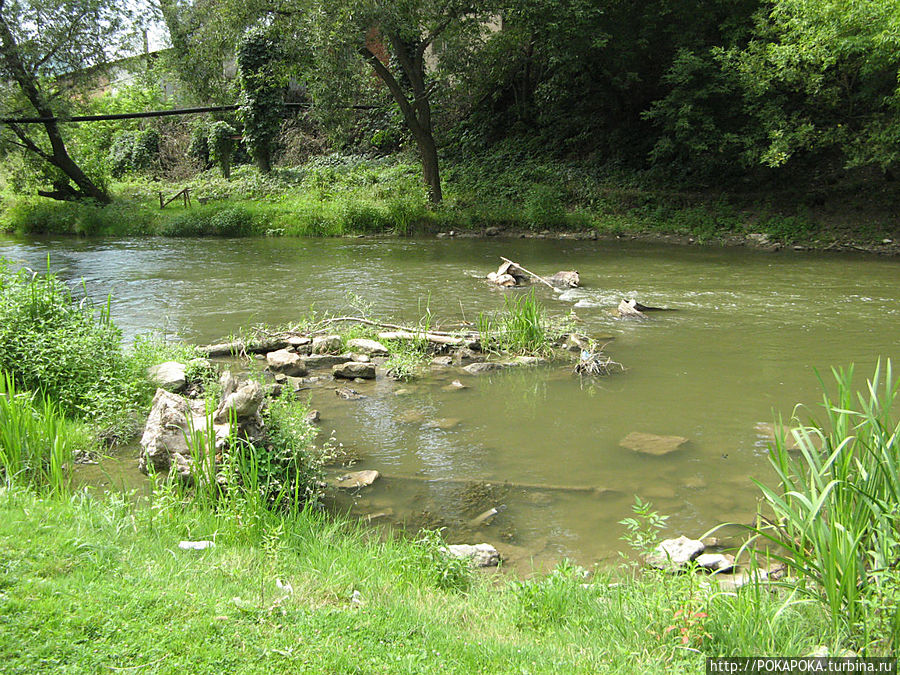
<point>750,332</point>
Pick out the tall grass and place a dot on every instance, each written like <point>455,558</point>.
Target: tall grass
<point>837,508</point>
<point>523,327</point>
<point>36,441</point>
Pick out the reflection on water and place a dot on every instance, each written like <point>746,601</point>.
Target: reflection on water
<point>750,331</point>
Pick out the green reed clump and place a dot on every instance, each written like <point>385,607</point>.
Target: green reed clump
<point>36,441</point>
<point>523,328</point>
<point>837,508</point>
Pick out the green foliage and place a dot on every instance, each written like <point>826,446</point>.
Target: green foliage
<point>428,563</point>
<point>221,145</point>
<point>544,207</point>
<point>199,149</point>
<point>643,528</point>
<point>547,602</point>
<point>836,508</point>
<point>37,443</point>
<point>213,220</point>
<point>64,348</point>
<point>260,109</point>
<point>134,152</point>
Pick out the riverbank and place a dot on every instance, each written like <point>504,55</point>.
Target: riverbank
<point>99,582</point>
<point>339,196</point>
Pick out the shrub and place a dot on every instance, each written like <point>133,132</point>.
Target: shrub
<point>67,350</point>
<point>221,146</point>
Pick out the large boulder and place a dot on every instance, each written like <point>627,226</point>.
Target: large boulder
<point>287,363</point>
<point>169,376</point>
<point>484,367</point>
<point>370,347</point>
<point>244,402</point>
<point>171,422</point>
<point>354,369</point>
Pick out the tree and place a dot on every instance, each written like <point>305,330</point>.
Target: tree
<point>260,108</point>
<point>396,40</point>
<point>823,76</point>
<point>40,42</point>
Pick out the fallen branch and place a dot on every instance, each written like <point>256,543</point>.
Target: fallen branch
<point>529,272</point>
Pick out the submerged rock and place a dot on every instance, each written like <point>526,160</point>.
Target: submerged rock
<point>483,367</point>
<point>480,555</point>
<point>356,479</point>
<point>652,444</point>
<point>564,279</point>
<point>169,376</point>
<point>348,394</point>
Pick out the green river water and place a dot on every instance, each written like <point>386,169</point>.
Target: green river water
<point>750,331</point>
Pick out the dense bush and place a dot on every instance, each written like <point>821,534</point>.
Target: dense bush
<point>134,152</point>
<point>66,349</point>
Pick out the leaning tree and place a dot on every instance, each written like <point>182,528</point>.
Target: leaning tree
<point>46,48</point>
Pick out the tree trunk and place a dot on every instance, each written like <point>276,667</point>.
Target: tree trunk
<point>430,168</point>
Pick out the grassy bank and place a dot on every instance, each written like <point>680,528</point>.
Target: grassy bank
<point>89,584</point>
<point>338,195</point>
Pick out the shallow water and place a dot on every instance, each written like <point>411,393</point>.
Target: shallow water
<point>750,331</point>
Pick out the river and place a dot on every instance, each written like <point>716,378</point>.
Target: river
<point>750,331</point>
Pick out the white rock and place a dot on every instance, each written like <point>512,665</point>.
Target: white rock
<point>370,347</point>
<point>480,555</point>
<point>327,344</point>
<point>651,444</point>
<point>673,554</point>
<point>169,375</point>
<point>356,479</point>
<point>195,545</point>
<point>353,370</point>
<point>287,363</point>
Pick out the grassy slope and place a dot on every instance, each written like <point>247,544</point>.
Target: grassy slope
<point>335,195</point>
<point>89,585</point>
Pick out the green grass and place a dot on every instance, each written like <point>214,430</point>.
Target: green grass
<point>93,583</point>
<point>336,195</point>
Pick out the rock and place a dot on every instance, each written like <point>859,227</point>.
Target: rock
<point>298,341</point>
<point>694,483</point>
<point>286,363</point>
<point>491,231</point>
<point>353,370</point>
<point>484,367</point>
<point>759,238</point>
<point>651,444</point>
<point>361,358</point>
<point>356,479</point>
<point>627,308</point>
<point>505,280</point>
<point>200,364</point>
<point>325,360</point>
<point>228,383</point>
<point>564,279</point>
<point>444,424</point>
<point>327,344</point>
<point>169,376</point>
<point>348,394</point>
<point>312,417</point>
<point>164,432</point>
<point>244,403</point>
<point>527,361</point>
<point>442,361</point>
<point>273,390</point>
<point>466,355</point>
<point>741,578</point>
<point>411,417</point>
<point>480,555</point>
<point>715,562</point>
<point>575,343</point>
<point>370,347</point>
<point>456,385</point>
<point>673,554</point>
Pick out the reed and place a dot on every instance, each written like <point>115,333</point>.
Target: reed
<point>837,508</point>
<point>36,441</point>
